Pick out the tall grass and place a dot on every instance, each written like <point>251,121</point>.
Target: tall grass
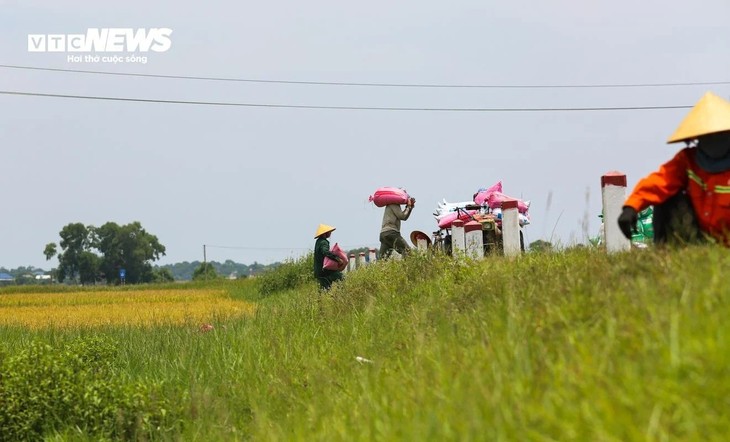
<point>577,345</point>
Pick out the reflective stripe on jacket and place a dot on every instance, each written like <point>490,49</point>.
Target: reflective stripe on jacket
<point>709,192</point>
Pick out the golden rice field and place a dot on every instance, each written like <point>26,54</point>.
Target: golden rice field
<point>128,308</point>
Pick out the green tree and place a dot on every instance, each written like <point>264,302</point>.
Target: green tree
<point>205,271</point>
<point>24,279</point>
<point>161,275</point>
<point>75,239</point>
<point>89,264</point>
<point>541,246</point>
<point>128,247</point>
<point>50,251</point>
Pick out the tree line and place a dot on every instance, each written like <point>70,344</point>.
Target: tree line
<point>184,271</point>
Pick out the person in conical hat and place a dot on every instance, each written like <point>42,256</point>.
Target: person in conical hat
<point>324,276</point>
<point>691,192</point>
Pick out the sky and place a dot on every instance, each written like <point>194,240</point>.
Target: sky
<point>253,183</point>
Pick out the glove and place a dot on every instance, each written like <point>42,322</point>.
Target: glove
<point>627,221</point>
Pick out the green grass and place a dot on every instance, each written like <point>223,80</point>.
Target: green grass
<point>577,345</point>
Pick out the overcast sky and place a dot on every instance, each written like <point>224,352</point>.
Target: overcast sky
<point>259,180</point>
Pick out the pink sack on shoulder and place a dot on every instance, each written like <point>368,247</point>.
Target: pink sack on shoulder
<point>389,195</point>
<point>331,264</point>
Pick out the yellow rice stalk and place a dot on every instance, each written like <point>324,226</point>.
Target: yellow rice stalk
<point>129,308</point>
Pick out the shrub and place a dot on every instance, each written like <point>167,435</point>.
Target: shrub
<point>291,274</point>
<point>162,275</point>
<point>204,272</point>
<point>45,389</point>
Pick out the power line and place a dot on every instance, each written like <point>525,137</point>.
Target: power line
<point>370,108</point>
<point>254,248</point>
<point>365,84</point>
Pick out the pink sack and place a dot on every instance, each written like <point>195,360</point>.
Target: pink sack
<point>389,195</point>
<point>331,264</point>
<point>495,201</point>
<point>446,221</point>
<point>483,194</point>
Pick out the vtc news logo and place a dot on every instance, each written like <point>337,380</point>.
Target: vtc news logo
<point>103,40</point>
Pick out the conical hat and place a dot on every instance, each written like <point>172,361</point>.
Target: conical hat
<point>322,229</point>
<point>416,234</point>
<point>711,114</point>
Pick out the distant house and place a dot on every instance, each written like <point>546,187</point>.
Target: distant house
<point>6,277</point>
<point>40,275</point>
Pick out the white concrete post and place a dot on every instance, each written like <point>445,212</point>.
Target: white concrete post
<point>352,265</point>
<point>510,228</point>
<point>371,256</point>
<point>474,239</point>
<point>613,194</point>
<point>458,241</point>
<point>361,260</point>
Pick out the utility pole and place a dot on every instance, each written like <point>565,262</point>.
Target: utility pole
<point>205,265</point>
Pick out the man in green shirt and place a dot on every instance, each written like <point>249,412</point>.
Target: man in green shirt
<point>321,249</point>
<point>390,237</point>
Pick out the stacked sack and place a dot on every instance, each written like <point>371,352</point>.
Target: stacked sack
<point>447,213</point>
<point>490,201</point>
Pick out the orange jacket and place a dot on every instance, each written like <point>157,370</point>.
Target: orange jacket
<point>709,192</point>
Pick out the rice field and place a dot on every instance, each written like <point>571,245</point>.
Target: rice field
<point>141,308</point>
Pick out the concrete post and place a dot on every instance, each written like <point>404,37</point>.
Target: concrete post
<point>510,228</point>
<point>613,195</point>
<point>474,240</point>
<point>458,240</point>
<point>371,256</point>
<point>352,265</point>
<point>361,260</point>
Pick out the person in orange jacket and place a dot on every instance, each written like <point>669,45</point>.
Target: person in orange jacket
<point>691,192</point>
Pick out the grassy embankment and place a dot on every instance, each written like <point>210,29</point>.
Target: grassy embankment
<point>566,346</point>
